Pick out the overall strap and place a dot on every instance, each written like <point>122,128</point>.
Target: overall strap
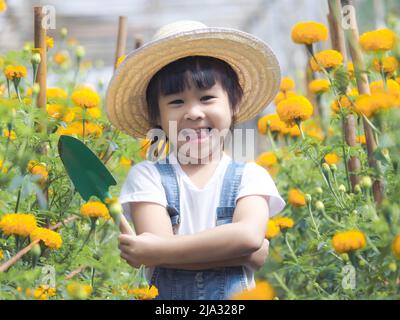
<point>171,188</point>
<point>230,186</point>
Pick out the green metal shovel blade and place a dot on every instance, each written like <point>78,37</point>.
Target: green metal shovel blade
<point>88,174</point>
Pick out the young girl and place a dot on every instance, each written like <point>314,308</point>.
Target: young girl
<point>200,217</point>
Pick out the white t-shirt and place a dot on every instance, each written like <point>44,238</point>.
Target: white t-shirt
<point>197,206</point>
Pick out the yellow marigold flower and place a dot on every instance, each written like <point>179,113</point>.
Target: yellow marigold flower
<point>18,224</point>
<point>331,158</point>
<point>393,88</point>
<point>3,6</point>
<point>309,32</point>
<point>350,69</point>
<point>55,110</point>
<point>296,198</point>
<point>272,230</point>
<point>15,72</point>
<point>262,291</point>
<point>76,128</point>
<point>378,40</point>
<point>327,59</point>
<point>287,84</point>
<point>271,122</point>
<point>79,291</point>
<point>361,139</point>
<point>95,209</point>
<point>145,293</point>
<point>348,241</point>
<point>49,42</point>
<point>125,162</point>
<point>389,64</point>
<point>120,60</point>
<point>284,222</point>
<point>319,86</point>
<point>396,246</point>
<point>283,95</point>
<point>294,109</point>
<point>370,104</point>
<point>267,159</point>
<point>91,112</point>
<point>43,292</point>
<point>344,101</point>
<point>9,134</point>
<point>36,168</point>
<point>60,57</point>
<point>145,147</point>
<point>295,131</point>
<point>86,98</point>
<point>50,238</point>
<point>57,93</point>
<point>1,254</point>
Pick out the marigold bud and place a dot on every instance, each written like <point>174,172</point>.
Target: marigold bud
<point>80,51</point>
<point>366,182</point>
<point>357,189</point>
<point>333,167</point>
<point>308,197</point>
<point>342,188</point>
<point>35,59</point>
<point>326,168</point>
<point>319,190</point>
<point>320,206</point>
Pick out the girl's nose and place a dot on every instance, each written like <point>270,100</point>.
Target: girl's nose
<point>194,112</point>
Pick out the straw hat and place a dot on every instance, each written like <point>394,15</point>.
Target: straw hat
<point>251,58</point>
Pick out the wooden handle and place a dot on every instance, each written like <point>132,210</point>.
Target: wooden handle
<point>125,227</point>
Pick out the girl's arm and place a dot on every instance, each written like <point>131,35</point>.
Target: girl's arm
<point>240,238</point>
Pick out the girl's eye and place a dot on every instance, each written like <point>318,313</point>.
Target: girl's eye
<point>207,98</point>
<point>176,102</point>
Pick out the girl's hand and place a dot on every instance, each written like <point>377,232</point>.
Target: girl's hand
<point>257,259</point>
<point>143,249</point>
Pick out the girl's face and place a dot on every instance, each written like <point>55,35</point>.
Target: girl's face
<point>200,118</point>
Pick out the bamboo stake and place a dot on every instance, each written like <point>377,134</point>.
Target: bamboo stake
<point>121,39</point>
<point>4,267</point>
<point>338,43</point>
<point>40,42</point>
<point>352,36</point>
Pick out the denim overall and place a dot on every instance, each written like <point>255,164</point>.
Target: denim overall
<point>208,284</point>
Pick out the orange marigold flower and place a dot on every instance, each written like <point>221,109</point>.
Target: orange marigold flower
<point>296,198</point>
<point>267,159</point>
<point>3,5</point>
<point>79,291</point>
<point>95,209</point>
<point>309,32</point>
<point>50,238</point>
<point>350,69</point>
<point>331,158</point>
<point>19,224</point>
<point>396,246</point>
<point>1,254</point>
<point>60,57</point>
<point>15,72</point>
<point>348,241</point>
<point>56,93</point>
<point>272,230</point>
<point>361,139</point>
<point>262,291</point>
<point>145,293</point>
<point>378,40</point>
<point>284,222</point>
<point>9,134</point>
<point>389,64</point>
<point>271,122</point>
<point>287,84</point>
<point>125,162</point>
<point>294,109</point>
<point>327,59</point>
<point>370,104</point>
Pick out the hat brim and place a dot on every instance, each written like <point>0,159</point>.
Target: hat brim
<point>252,59</point>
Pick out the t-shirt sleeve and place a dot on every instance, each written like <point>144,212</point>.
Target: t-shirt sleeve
<point>142,184</point>
<point>257,181</point>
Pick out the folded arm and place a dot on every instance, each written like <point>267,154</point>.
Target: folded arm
<point>238,243</point>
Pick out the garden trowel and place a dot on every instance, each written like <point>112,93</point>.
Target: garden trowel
<point>88,174</point>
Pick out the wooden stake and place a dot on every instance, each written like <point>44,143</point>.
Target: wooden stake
<point>338,44</point>
<point>352,36</point>
<point>40,42</point>
<point>121,39</point>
